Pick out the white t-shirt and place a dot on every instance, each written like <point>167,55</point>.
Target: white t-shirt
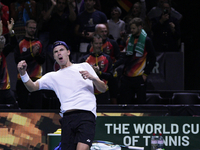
<point>73,91</point>
<point>116,28</point>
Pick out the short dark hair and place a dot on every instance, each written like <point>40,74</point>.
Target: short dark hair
<point>137,21</point>
<point>117,8</point>
<point>30,21</point>
<point>96,36</point>
<point>57,43</point>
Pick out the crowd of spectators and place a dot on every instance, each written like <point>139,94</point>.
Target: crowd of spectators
<point>39,23</point>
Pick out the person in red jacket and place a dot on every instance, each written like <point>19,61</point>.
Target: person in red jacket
<point>4,17</point>
<point>102,65</point>
<point>6,94</point>
<point>30,49</point>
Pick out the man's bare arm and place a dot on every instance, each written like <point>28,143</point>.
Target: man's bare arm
<point>30,85</point>
<point>100,85</point>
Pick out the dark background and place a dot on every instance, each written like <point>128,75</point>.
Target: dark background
<point>190,29</point>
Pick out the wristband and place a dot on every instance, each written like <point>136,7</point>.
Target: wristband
<point>25,77</point>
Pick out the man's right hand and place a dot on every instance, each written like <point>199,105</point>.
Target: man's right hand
<point>22,65</point>
<point>164,18</point>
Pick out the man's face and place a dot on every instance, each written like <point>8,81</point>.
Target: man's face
<point>115,13</point>
<point>31,29</point>
<point>160,2</point>
<point>61,4</point>
<point>61,55</point>
<point>97,44</point>
<point>102,31</point>
<point>166,7</point>
<point>89,4</point>
<point>1,47</point>
<point>136,10</point>
<point>135,30</point>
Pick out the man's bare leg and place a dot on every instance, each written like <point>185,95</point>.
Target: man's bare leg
<point>82,146</point>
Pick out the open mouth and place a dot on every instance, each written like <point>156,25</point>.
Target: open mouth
<point>60,58</point>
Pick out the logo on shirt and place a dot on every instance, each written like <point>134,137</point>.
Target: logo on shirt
<point>24,49</point>
<point>88,140</point>
<point>102,65</point>
<point>90,22</point>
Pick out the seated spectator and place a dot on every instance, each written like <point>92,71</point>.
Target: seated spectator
<point>6,94</point>
<point>157,11</point>
<point>166,31</point>
<point>102,64</point>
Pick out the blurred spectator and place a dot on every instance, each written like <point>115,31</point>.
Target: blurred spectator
<point>85,24</point>
<point>102,64</point>
<point>42,32</point>
<point>97,5</point>
<point>16,12</point>
<point>30,50</point>
<point>6,94</point>
<point>60,26</point>
<point>139,60</point>
<point>4,17</point>
<point>29,11</point>
<point>111,48</point>
<point>60,23</point>
<point>21,11</point>
<point>116,26</point>
<point>137,10</point>
<point>80,6</point>
<point>166,31</point>
<point>157,11</point>
<point>42,7</point>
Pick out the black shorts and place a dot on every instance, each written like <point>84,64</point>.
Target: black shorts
<point>77,126</point>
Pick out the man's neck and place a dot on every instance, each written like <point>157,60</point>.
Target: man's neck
<point>115,19</point>
<point>30,37</point>
<point>67,65</point>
